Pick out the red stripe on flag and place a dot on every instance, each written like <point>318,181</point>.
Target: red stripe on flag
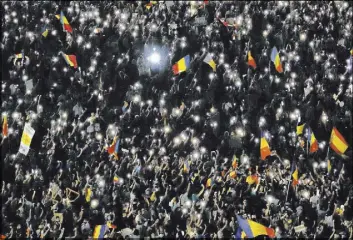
<point>175,69</point>
<point>68,28</point>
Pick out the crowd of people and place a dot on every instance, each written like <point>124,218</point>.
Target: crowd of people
<point>121,141</point>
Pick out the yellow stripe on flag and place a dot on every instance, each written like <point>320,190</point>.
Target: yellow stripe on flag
<point>300,129</point>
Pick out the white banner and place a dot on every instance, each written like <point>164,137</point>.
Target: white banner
<point>26,139</point>
<point>300,228</point>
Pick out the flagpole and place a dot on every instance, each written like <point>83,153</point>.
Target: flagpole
<point>328,151</point>
<point>307,142</point>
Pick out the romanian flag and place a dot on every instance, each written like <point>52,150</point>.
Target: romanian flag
<point>64,22</point>
<point>314,146</point>
<point>351,52</point>
<point>88,194</point>
<point>125,106</point>
<point>71,60</point>
<point>116,150</point>
<point>252,179</point>
<point>329,165</point>
<point>300,126</point>
<point>115,179</point>
<point>253,229</point>
<point>276,60</point>
<point>182,65</point>
<point>186,167</point>
<point>149,5</point>
<point>337,142</point>
<point>264,148</point>
<point>153,197</point>
<point>19,55</point>
<point>111,148</point>
<point>233,174</point>
<point>234,163</point>
<point>294,175</point>
<point>110,225</point>
<point>251,60</point>
<point>5,130</point>
<point>45,31</point>
<point>208,59</point>
<point>99,231</point>
<point>209,182</point>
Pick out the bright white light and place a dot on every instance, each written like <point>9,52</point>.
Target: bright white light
<point>154,58</point>
<point>101,183</point>
<point>79,39</point>
<point>121,181</point>
<point>240,132</point>
<point>177,140</point>
<point>14,14</point>
<point>65,69</point>
<point>306,194</point>
<point>94,203</point>
<point>183,137</point>
<point>244,159</point>
<point>167,129</point>
<point>324,117</point>
<point>323,164</point>
<point>270,199</point>
<point>184,210</point>
<point>262,121</point>
<point>302,37</point>
<point>99,136</point>
<point>136,98</point>
<point>195,141</point>
<point>88,45</point>
<point>196,155</point>
<point>54,32</point>
<point>322,145</point>
<point>315,164</point>
<point>151,152</point>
